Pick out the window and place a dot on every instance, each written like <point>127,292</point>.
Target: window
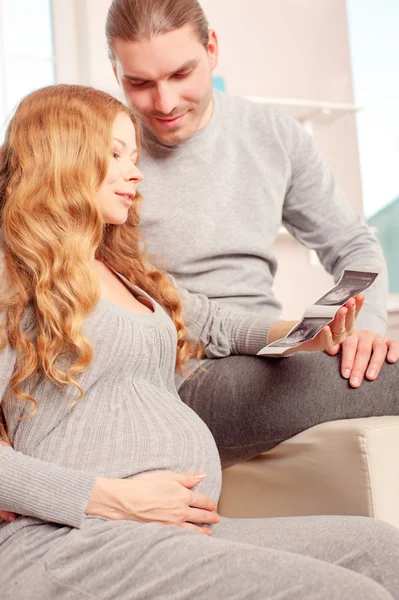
<point>27,59</point>
<point>374,40</point>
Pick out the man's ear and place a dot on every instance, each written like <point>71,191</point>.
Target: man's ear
<point>213,48</point>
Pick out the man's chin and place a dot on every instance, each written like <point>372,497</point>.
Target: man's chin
<point>173,137</point>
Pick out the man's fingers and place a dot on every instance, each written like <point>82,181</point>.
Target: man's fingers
<point>377,358</point>
<point>393,351</point>
<point>362,359</point>
<point>349,348</point>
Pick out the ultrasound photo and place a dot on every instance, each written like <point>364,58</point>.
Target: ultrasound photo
<point>351,284</point>
<point>353,281</point>
<point>306,330</point>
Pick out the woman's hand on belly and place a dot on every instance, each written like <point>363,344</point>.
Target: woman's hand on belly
<point>161,497</point>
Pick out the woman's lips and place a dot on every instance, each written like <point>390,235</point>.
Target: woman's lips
<point>127,199</point>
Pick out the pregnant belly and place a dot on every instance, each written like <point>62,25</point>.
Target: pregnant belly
<point>147,430</point>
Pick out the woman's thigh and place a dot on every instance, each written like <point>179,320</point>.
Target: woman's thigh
<point>361,544</point>
<point>110,560</point>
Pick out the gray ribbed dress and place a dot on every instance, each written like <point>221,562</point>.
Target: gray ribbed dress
<point>130,421</point>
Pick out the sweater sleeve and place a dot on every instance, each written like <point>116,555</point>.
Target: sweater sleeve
<point>317,214</point>
<point>221,330</point>
<point>35,488</point>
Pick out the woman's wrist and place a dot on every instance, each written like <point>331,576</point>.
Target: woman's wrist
<point>108,499</point>
<point>99,499</point>
<point>280,330</point>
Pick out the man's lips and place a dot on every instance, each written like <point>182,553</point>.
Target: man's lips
<point>170,122</point>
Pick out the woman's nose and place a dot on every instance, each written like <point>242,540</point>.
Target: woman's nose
<point>134,174</point>
<point>138,175</point>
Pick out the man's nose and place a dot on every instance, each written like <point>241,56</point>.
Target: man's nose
<point>165,99</point>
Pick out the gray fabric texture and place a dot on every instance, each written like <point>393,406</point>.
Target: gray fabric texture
<point>317,558</point>
<point>214,204</point>
<point>251,404</point>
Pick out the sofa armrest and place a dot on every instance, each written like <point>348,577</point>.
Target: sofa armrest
<point>348,467</point>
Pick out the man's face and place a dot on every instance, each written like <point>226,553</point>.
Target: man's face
<point>168,80</point>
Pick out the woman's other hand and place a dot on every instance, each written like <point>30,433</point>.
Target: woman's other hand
<point>336,332</point>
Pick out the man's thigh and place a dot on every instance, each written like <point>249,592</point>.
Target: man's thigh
<point>251,403</point>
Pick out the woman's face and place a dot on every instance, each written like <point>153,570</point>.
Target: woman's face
<point>117,192</point>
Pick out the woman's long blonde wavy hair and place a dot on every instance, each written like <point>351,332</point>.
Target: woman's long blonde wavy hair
<point>54,159</point>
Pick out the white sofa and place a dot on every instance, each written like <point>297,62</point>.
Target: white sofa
<point>348,467</point>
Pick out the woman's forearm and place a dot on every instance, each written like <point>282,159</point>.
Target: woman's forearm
<point>32,487</point>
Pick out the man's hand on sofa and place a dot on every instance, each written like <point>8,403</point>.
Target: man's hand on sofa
<point>4,514</point>
<point>363,354</point>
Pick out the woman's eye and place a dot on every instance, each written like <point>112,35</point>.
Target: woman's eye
<point>116,155</point>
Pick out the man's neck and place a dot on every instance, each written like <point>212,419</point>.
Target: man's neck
<point>207,116</point>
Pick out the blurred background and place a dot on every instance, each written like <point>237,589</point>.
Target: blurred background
<point>332,64</point>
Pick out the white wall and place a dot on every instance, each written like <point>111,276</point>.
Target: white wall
<point>279,48</point>
<point>283,48</point>
<point>95,66</point>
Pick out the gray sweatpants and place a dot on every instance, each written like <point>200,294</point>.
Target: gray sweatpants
<point>325,558</point>
<point>251,404</point>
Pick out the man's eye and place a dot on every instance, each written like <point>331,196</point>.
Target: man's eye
<point>183,75</point>
<point>137,84</point>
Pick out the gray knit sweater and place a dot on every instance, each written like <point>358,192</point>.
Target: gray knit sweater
<point>213,207</point>
<point>131,419</point>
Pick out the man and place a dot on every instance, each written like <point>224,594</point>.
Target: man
<point>222,174</point>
